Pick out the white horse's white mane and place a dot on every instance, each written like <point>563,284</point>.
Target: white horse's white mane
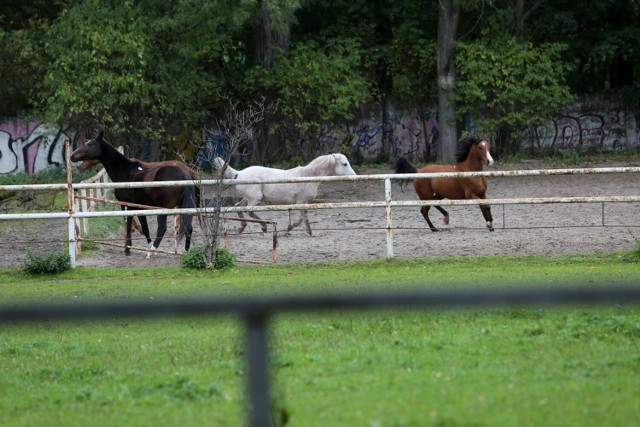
<point>321,165</point>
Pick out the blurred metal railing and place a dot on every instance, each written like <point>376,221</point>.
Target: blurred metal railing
<point>256,312</point>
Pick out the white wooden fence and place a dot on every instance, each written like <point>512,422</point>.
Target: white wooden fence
<point>72,215</point>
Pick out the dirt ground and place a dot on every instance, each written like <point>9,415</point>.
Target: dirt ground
<point>360,233</point>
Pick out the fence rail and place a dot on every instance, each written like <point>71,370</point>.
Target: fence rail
<point>388,203</point>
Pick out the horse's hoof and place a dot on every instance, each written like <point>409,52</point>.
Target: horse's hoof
<point>127,253</point>
<point>435,230</point>
<point>446,220</point>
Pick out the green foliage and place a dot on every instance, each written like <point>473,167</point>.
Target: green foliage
<point>52,263</point>
<point>506,84</point>
<point>50,175</point>
<point>196,259</point>
<point>224,259</point>
<point>317,85</point>
<point>132,67</point>
<point>156,67</point>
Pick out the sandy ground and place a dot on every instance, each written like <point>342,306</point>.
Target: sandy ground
<point>360,233</point>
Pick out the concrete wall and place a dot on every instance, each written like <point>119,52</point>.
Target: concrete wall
<point>28,146</point>
<point>588,125</point>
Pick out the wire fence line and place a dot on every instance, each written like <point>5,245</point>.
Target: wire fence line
<point>389,203</point>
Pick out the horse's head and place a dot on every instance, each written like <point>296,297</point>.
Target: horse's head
<point>91,150</point>
<point>341,165</point>
<point>476,151</point>
<point>484,149</point>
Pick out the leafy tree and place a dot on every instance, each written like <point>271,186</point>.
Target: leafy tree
<point>135,68</point>
<point>315,86</point>
<point>507,85</point>
<point>602,38</point>
<point>22,23</point>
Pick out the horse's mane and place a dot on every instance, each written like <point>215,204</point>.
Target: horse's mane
<point>464,146</point>
<point>318,162</point>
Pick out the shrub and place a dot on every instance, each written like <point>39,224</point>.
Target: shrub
<point>52,263</point>
<point>196,259</point>
<point>224,259</point>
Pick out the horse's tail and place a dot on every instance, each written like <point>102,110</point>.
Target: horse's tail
<point>404,166</point>
<point>227,171</point>
<point>189,200</point>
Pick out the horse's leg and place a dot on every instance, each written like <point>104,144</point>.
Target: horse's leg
<point>127,238</point>
<point>162,228</point>
<point>486,212</point>
<point>243,224</point>
<point>256,217</point>
<point>176,226</point>
<point>445,213</point>
<point>145,227</point>
<point>187,240</point>
<point>295,224</point>
<point>425,213</point>
<point>303,214</point>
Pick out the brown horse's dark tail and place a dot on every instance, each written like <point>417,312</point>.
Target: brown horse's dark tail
<point>189,200</point>
<point>404,166</point>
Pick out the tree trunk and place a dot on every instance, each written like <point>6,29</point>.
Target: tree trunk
<point>447,27</point>
<point>271,35</point>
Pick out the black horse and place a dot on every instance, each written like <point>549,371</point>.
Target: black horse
<point>121,169</point>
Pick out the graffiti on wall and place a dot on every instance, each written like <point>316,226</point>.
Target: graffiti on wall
<point>409,133</point>
<point>30,146</point>
<point>612,130</point>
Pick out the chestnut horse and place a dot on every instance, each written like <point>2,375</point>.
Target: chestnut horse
<point>121,169</point>
<point>473,153</point>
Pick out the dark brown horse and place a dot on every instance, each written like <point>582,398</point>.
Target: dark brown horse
<point>473,153</point>
<point>88,164</point>
<point>121,169</point>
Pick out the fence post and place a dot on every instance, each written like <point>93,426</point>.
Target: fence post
<point>387,198</point>
<point>257,358</point>
<point>70,208</point>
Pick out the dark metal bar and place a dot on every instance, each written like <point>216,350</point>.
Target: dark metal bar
<point>257,359</point>
<point>296,303</point>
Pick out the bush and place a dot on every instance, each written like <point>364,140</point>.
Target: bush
<point>52,263</point>
<point>224,259</point>
<point>195,259</point>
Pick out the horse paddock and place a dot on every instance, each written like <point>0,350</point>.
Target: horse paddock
<point>360,233</point>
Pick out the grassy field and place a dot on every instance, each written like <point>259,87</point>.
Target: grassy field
<point>483,367</point>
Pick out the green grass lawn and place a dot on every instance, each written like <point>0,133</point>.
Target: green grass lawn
<point>558,366</point>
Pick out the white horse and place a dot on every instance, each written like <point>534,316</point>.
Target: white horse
<point>283,194</point>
